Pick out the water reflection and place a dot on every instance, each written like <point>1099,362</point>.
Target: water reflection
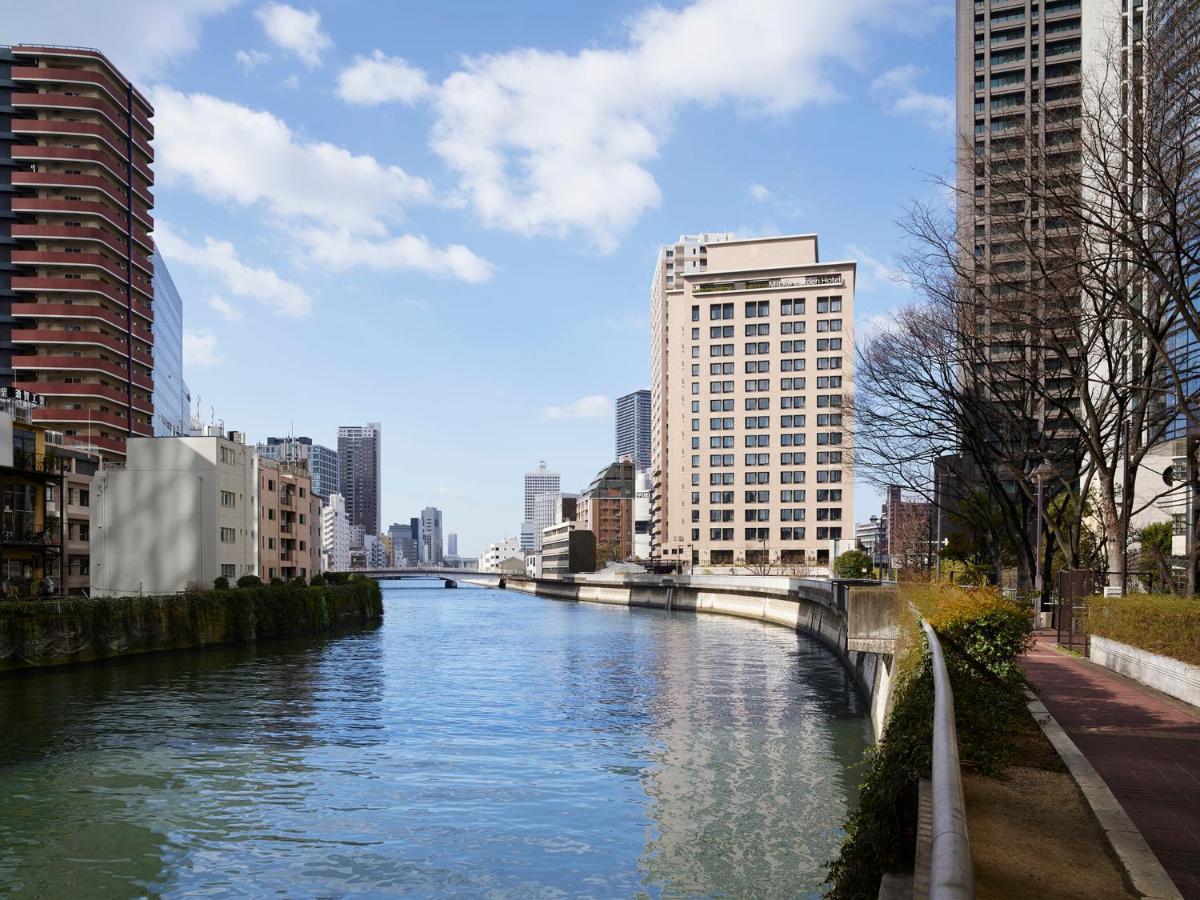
<point>479,743</point>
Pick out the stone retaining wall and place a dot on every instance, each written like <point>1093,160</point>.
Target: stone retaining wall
<point>1177,679</point>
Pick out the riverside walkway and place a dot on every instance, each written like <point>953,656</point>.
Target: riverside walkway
<point>1144,745</point>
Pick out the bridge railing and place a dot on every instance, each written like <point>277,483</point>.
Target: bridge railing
<point>951,874</point>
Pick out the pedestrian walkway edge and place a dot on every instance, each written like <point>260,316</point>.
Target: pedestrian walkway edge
<point>1146,873</point>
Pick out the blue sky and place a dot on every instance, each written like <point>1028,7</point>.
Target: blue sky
<point>444,216</point>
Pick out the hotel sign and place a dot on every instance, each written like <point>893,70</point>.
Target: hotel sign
<point>27,397</point>
<point>833,279</point>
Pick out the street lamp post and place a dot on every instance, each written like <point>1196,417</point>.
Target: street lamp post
<point>1041,474</point>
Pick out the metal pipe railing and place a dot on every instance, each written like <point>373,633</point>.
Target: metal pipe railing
<point>951,875</point>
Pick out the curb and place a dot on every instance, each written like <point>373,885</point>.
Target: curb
<point>1149,878</point>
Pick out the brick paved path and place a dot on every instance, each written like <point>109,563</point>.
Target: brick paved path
<point>1146,748</point>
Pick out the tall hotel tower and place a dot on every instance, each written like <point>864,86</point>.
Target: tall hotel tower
<point>75,250</point>
<point>751,358</point>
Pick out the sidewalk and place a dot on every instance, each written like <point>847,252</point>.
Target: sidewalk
<point>1146,748</point>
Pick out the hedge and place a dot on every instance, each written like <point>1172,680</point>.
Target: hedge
<point>983,635</point>
<point>1159,623</point>
<point>54,632</point>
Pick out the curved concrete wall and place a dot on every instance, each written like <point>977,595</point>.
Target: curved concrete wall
<point>810,609</point>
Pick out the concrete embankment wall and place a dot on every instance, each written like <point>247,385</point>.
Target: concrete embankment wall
<point>807,608</point>
<point>1171,676</point>
<point>57,632</point>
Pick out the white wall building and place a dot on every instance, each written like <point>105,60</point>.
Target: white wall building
<point>335,535</point>
<point>182,511</point>
<point>509,547</point>
<point>643,487</point>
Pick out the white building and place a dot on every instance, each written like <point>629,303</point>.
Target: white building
<point>374,552</point>
<point>641,514</point>
<point>335,535</point>
<point>537,483</point>
<point>502,550</point>
<point>182,511</point>
<point>431,536</point>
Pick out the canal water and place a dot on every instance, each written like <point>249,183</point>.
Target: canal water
<point>478,743</point>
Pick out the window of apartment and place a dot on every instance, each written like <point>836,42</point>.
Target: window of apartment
<point>227,455</point>
<point>228,498</point>
<point>228,571</point>
<point>695,314</point>
<point>228,535</point>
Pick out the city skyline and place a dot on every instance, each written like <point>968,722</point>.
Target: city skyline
<point>305,142</point>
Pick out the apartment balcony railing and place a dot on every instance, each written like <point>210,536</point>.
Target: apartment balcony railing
<point>29,537</point>
<point>42,463</point>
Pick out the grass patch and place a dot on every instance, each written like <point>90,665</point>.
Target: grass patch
<point>983,636</point>
<point>1160,623</point>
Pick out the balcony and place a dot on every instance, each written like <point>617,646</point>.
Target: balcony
<point>39,463</point>
<point>102,158</point>
<point>81,311</point>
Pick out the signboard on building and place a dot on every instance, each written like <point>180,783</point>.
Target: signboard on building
<point>29,398</point>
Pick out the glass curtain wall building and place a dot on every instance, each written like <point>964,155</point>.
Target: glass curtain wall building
<point>171,397</point>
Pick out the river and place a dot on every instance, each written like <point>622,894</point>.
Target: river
<point>478,743</point>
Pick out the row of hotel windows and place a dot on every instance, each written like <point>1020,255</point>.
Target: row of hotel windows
<point>788,421</point>
<point>824,382</point>
<point>751,385</point>
<point>790,402</point>
<point>763,329</point>
<point>718,460</point>
<point>762,348</point>
<point>760,309</point>
<point>824,458</point>
<point>789,439</point>
<point>793,514</point>
<point>792,495</point>
<point>824,533</point>
<point>761,366</point>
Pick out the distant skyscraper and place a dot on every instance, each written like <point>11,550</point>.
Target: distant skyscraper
<point>321,461</point>
<point>360,474</point>
<point>171,397</point>
<point>404,545</point>
<point>633,428</point>
<point>452,545</point>
<point>540,481</point>
<point>431,535</point>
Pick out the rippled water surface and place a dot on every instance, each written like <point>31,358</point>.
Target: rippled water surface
<point>478,743</point>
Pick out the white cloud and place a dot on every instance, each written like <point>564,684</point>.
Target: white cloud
<point>220,260</point>
<point>251,59</point>
<point>760,192</point>
<point>339,249</point>
<point>896,89</point>
<point>292,82</point>
<point>294,30</point>
<point>163,33</point>
<point>379,78</point>
<point>200,349</point>
<point>559,144</point>
<point>874,274</point>
<point>225,309</point>
<point>594,406</point>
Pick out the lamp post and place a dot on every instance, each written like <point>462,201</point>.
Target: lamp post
<point>1041,475</point>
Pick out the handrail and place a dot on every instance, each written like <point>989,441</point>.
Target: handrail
<point>951,876</point>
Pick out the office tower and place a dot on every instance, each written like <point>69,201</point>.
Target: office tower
<point>452,545</point>
<point>171,397</point>
<point>335,535</point>
<point>606,510</point>
<point>688,254</point>
<point>321,461</point>
<point>76,289</point>
<point>360,474</point>
<point>633,428</point>
<point>751,370</point>
<point>404,544</point>
<point>431,536</point>
<point>540,481</point>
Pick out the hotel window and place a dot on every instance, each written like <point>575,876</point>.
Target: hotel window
<point>792,496</point>
<point>793,365</point>
<point>718,311</point>
<point>791,422</point>
<point>758,478</point>
<point>796,439</point>
<point>791,402</point>
<point>758,403</point>
<point>792,327</point>
<point>791,534</point>
<point>791,307</point>
<point>829,304</point>
<point>829,344</point>
<point>758,459</point>
<point>759,366</point>
<point>757,497</point>
<point>762,348</point>
<point>759,330</point>
<point>795,346</point>
<point>758,422</point>
<point>792,384</point>
<point>758,309</point>
<point>695,314</point>
<point>695,371</point>
<point>721,331</point>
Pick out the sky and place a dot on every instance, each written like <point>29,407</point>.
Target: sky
<point>444,216</point>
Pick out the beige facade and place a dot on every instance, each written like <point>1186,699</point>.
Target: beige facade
<point>752,360</point>
<point>289,522</point>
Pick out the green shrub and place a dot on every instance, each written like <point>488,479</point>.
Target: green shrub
<point>853,564</point>
<point>276,581</point>
<point>1158,623</point>
<point>249,581</point>
<point>221,583</point>
<point>298,582</point>
<point>317,580</point>
<point>983,635</point>
<point>336,578</point>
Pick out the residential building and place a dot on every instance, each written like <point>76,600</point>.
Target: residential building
<point>374,552</point>
<point>172,400</point>
<point>538,482</point>
<point>323,463</point>
<point>452,545</point>
<point>567,550</point>
<point>752,359</point>
<point>389,549</point>
<point>606,509</point>
<point>909,530</point>
<point>76,277</point>
<point>431,536</point>
<point>335,535</point>
<point>550,509</point>
<point>32,481</point>
<point>633,428</point>
<point>501,552</point>
<point>180,511</point>
<point>360,478</point>
<point>688,254</point>
<point>642,491</point>
<point>80,469</point>
<point>289,542</point>
<point>533,564</point>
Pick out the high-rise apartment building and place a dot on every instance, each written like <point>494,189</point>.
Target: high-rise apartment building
<point>538,482</point>
<point>751,363</point>
<point>431,536</point>
<point>633,428</point>
<point>172,400</point>
<point>335,535</point>
<point>404,544</point>
<point>321,461</point>
<point>360,474</point>
<point>76,289</point>
<point>452,545</point>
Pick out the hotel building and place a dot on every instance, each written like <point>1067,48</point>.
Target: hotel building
<point>751,360</point>
<point>76,288</point>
